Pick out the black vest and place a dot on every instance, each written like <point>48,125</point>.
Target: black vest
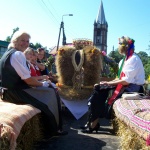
<point>9,77</point>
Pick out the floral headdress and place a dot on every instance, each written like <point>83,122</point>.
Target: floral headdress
<point>127,42</point>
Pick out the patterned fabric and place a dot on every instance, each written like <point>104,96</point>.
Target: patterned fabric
<point>12,119</point>
<point>136,115</point>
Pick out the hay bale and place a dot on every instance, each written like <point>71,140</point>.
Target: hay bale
<point>30,133</point>
<point>4,142</point>
<point>129,140</point>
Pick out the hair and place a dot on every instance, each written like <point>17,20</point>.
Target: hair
<point>28,50</point>
<point>35,52</point>
<point>15,38</point>
<point>40,49</point>
<point>125,43</point>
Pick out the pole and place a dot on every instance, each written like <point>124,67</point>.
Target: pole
<point>59,35</point>
<point>61,26</point>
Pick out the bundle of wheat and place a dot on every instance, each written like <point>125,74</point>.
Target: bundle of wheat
<point>78,71</point>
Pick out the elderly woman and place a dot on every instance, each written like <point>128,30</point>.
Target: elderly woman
<point>131,78</point>
<point>15,76</point>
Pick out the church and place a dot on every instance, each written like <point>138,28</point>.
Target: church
<point>100,30</point>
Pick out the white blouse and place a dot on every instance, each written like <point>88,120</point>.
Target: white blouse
<point>18,62</point>
<point>133,70</point>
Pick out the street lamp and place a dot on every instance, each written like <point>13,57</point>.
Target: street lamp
<point>62,27</point>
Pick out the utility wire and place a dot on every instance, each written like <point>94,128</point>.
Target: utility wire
<point>49,11</point>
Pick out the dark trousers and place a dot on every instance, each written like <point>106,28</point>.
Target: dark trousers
<point>98,107</point>
<point>97,104</point>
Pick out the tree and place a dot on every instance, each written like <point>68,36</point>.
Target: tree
<point>8,38</point>
<point>35,46</point>
<point>143,56</point>
<point>115,55</point>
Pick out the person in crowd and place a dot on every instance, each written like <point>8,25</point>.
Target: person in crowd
<point>37,66</point>
<point>33,65</point>
<point>131,77</point>
<point>41,59</point>
<point>22,88</point>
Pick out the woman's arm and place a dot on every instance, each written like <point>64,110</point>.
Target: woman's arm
<point>33,82</point>
<point>40,66</point>
<point>44,77</point>
<point>116,82</point>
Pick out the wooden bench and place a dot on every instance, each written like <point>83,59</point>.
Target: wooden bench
<point>19,126</point>
<point>132,123</point>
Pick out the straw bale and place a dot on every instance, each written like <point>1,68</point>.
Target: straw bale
<point>30,133</point>
<point>129,140</point>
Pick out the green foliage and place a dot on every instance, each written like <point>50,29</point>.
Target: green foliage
<point>8,38</point>
<point>115,55</point>
<point>35,46</point>
<point>50,61</point>
<point>113,66</point>
<point>110,67</point>
<point>144,57</point>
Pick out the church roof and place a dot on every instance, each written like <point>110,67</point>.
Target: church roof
<point>101,15</point>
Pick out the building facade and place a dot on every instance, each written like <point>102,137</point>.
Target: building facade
<point>100,30</point>
<point>3,47</point>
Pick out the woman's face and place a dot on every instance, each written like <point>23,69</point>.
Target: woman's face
<point>41,54</point>
<point>22,43</point>
<point>34,58</point>
<point>122,50</point>
<point>29,55</point>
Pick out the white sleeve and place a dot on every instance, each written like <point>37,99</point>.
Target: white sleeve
<point>18,62</point>
<point>134,71</point>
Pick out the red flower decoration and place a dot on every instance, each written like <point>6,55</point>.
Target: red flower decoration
<point>130,42</point>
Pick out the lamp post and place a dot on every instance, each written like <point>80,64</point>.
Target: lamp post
<point>62,27</point>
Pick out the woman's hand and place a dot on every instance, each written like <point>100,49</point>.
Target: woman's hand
<point>45,77</point>
<point>103,83</point>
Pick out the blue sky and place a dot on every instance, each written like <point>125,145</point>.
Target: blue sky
<point>42,18</point>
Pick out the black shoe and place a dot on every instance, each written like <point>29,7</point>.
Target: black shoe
<point>61,133</point>
<point>90,130</point>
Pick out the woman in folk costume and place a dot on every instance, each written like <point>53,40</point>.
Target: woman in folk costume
<point>131,77</point>
<point>16,77</point>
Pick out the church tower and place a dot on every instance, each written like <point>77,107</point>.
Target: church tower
<point>100,30</point>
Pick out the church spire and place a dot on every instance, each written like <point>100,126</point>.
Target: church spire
<point>100,30</point>
<point>101,15</point>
